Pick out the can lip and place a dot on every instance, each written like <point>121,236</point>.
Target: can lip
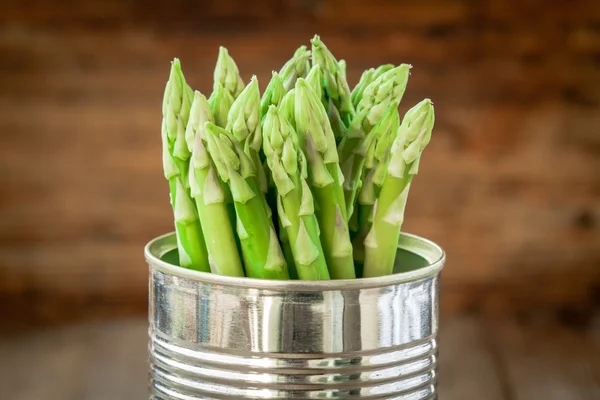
<point>422,247</point>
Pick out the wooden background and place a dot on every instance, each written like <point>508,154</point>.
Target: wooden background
<point>510,184</point>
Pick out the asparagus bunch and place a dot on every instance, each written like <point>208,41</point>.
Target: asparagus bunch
<point>335,164</point>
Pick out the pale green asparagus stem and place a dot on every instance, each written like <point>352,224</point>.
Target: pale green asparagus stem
<point>384,92</point>
<point>286,247</point>
<point>206,189</point>
<point>314,80</point>
<point>286,107</point>
<point>334,79</point>
<point>243,121</point>
<point>365,80</point>
<point>176,109</point>
<point>190,238</point>
<point>263,257</point>
<point>317,141</point>
<point>220,103</point>
<point>273,94</point>
<point>227,73</point>
<point>381,244</point>
<point>369,154</point>
<point>296,67</point>
<point>295,201</point>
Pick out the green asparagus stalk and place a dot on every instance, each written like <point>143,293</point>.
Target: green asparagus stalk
<point>243,121</point>
<point>287,106</point>
<point>365,80</point>
<point>382,241</point>
<point>295,201</point>
<point>220,103</point>
<point>314,80</point>
<point>317,141</point>
<point>206,189</point>
<point>334,79</point>
<point>262,254</point>
<point>190,238</point>
<point>296,67</point>
<point>374,150</point>
<point>384,92</point>
<point>273,94</point>
<point>176,110</point>
<point>288,254</point>
<point>227,73</point>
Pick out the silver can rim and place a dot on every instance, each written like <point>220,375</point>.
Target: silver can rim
<point>426,249</point>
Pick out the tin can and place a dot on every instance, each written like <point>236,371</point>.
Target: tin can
<point>217,337</point>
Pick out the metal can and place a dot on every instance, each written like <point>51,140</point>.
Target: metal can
<point>218,337</point>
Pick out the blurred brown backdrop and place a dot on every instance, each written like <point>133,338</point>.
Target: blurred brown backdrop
<point>510,185</point>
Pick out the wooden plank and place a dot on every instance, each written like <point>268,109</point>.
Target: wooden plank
<point>545,360</point>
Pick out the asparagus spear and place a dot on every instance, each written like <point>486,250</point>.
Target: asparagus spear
<point>382,241</point>
<point>176,109</point>
<point>227,73</point>
<point>243,121</point>
<point>220,103</point>
<point>374,150</point>
<point>334,79</point>
<point>314,80</point>
<point>286,107</point>
<point>261,251</point>
<point>296,67</point>
<point>383,93</point>
<point>273,94</point>
<point>209,195</point>
<point>317,141</point>
<point>295,202</point>
<point>365,80</point>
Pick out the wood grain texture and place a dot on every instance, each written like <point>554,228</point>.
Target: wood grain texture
<point>510,184</point>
